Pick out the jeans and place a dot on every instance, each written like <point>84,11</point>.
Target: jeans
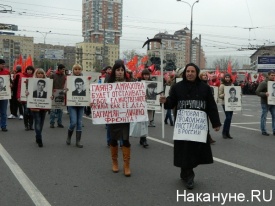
<point>76,115</point>
<point>58,113</point>
<point>168,116</point>
<point>26,111</point>
<point>265,109</point>
<point>3,112</point>
<point>227,121</point>
<point>39,117</point>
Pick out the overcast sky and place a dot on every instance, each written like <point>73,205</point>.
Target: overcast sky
<point>225,25</point>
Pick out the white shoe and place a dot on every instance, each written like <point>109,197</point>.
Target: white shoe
<point>11,117</point>
<point>21,117</point>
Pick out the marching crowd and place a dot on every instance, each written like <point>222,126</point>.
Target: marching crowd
<point>193,92</point>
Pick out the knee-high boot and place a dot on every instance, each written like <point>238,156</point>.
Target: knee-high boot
<point>126,157</point>
<point>78,138</point>
<point>114,154</point>
<point>70,133</point>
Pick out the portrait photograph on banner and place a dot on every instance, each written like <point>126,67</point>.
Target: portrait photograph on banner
<point>5,87</point>
<point>58,101</point>
<point>153,89</point>
<point>233,98</point>
<point>78,91</point>
<point>271,91</point>
<point>215,92</point>
<point>118,102</point>
<point>191,125</point>
<point>40,93</point>
<point>23,89</point>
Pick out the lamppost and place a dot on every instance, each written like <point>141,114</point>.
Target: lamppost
<point>44,34</point>
<point>191,26</point>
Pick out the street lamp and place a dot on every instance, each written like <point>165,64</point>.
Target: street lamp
<point>44,34</point>
<point>191,26</point>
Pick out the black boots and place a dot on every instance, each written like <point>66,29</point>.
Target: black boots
<point>70,133</point>
<point>227,136</point>
<point>143,142</point>
<point>78,138</point>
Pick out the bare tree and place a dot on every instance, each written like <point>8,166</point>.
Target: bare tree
<point>222,63</point>
<point>129,54</point>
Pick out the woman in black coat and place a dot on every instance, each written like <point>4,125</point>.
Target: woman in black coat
<point>192,95</point>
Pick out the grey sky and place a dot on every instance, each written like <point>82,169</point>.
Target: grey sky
<point>223,24</point>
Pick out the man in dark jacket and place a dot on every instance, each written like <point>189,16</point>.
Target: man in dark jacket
<point>261,91</point>
<point>59,79</point>
<point>195,104</point>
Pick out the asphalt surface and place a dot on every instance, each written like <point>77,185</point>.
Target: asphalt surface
<point>63,175</point>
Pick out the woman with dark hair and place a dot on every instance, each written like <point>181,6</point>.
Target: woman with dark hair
<point>120,130</point>
<point>27,114</point>
<point>226,81</point>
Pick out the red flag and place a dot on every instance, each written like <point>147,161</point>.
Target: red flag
<point>28,62</point>
<point>229,68</point>
<point>144,59</point>
<point>218,71</point>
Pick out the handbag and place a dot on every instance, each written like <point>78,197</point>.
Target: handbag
<point>138,129</point>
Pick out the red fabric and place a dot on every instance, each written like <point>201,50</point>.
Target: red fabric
<point>4,72</point>
<point>229,68</point>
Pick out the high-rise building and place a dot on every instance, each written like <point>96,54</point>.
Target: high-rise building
<point>102,25</point>
<point>176,48</point>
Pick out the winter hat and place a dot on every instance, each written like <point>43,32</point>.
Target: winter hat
<point>179,72</point>
<point>2,61</point>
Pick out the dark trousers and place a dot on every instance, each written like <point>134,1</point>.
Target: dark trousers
<point>14,106</point>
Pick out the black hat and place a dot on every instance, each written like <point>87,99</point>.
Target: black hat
<point>2,61</point>
<point>152,85</point>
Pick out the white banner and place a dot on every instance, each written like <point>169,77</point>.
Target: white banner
<point>191,125</point>
<point>118,102</point>
<point>78,91</point>
<point>5,89</point>
<point>232,98</point>
<point>40,93</point>
<point>215,91</point>
<point>271,91</point>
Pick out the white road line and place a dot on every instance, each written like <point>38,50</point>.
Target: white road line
<point>248,115</point>
<point>256,172</point>
<point>36,196</point>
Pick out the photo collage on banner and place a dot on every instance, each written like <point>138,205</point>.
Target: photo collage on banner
<point>153,89</point>
<point>271,91</point>
<point>40,93</point>
<point>233,98</point>
<point>5,89</point>
<point>118,102</point>
<point>58,101</point>
<point>78,91</point>
<point>191,125</point>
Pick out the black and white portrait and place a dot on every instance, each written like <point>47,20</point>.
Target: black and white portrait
<point>2,85</point>
<point>232,93</point>
<point>151,91</point>
<point>79,87</point>
<point>40,89</point>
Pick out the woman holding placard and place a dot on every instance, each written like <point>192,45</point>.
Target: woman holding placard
<point>226,81</point>
<point>120,130</point>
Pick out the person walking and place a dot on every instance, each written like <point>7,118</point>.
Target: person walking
<point>261,91</point>
<point>59,79</point>
<point>76,114</point>
<point>168,116</point>
<point>226,81</point>
<point>204,78</point>
<point>120,130</point>
<point>27,114</point>
<point>192,95</point>
<point>4,102</point>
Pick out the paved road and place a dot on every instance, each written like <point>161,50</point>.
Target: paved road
<point>63,175</point>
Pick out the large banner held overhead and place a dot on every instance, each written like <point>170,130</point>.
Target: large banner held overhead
<point>191,125</point>
<point>40,93</point>
<point>78,91</point>
<point>232,98</point>
<point>118,102</point>
<point>5,89</point>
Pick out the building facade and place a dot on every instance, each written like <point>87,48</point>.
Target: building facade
<point>12,46</point>
<point>176,48</point>
<point>101,26</point>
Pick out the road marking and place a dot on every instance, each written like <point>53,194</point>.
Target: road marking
<point>36,196</point>
<point>248,115</point>
<point>247,169</point>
